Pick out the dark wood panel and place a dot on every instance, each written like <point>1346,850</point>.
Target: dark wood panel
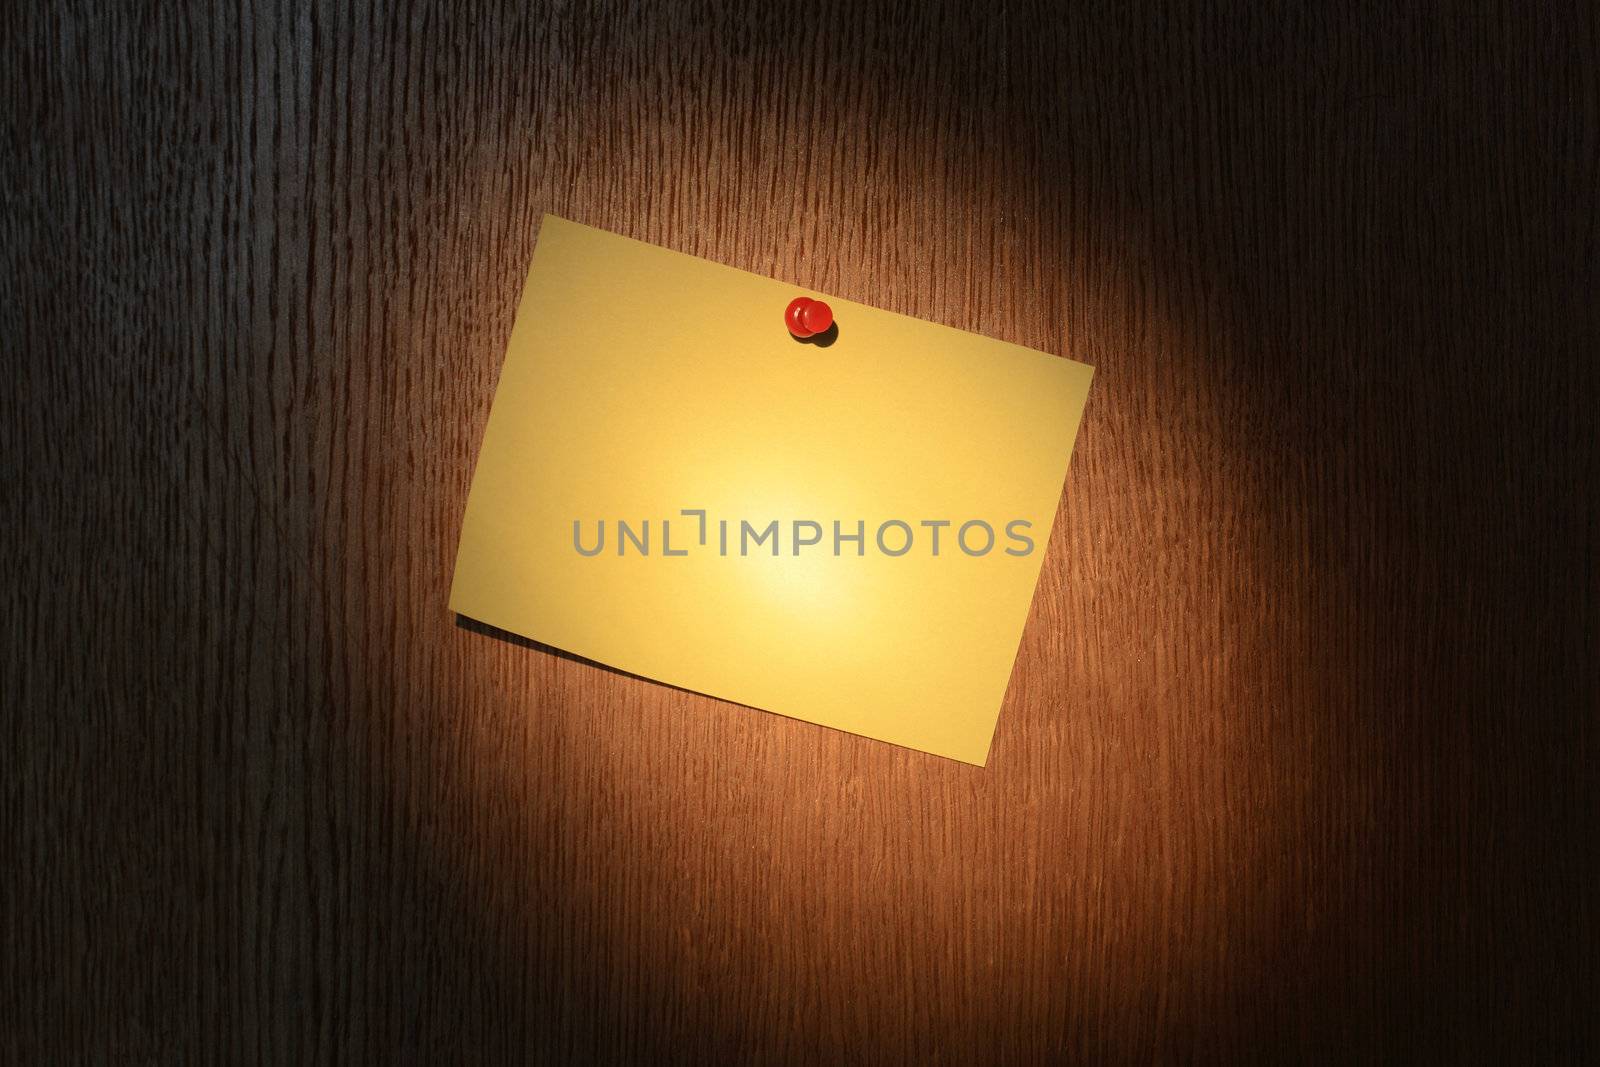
<point>1295,758</point>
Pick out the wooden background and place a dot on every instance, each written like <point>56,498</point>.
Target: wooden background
<point>1296,757</point>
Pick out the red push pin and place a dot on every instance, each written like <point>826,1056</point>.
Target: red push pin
<point>806,317</point>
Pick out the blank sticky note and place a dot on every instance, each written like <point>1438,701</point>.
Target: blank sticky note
<point>848,534</point>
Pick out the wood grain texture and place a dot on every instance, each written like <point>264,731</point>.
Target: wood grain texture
<point>1296,756</point>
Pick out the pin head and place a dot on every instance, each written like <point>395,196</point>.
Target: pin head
<point>806,317</point>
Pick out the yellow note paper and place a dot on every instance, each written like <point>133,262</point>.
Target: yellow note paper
<point>849,534</point>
